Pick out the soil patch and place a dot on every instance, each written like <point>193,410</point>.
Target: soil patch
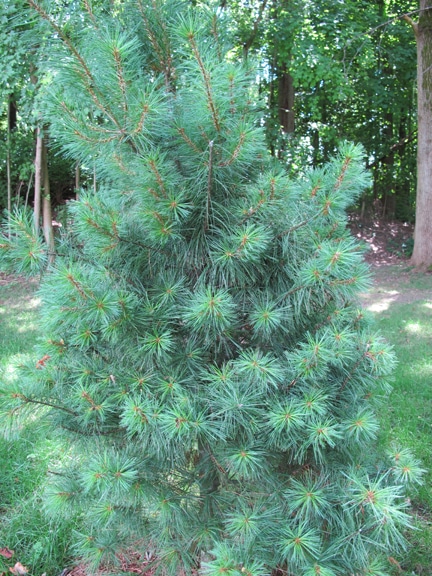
<point>388,242</point>
<point>389,246</point>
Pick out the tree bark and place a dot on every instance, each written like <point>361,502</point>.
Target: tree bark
<point>422,253</point>
<point>42,197</point>
<point>77,180</point>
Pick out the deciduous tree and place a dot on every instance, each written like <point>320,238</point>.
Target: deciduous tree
<point>422,254</point>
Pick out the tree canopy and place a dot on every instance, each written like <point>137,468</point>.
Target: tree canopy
<point>327,72</point>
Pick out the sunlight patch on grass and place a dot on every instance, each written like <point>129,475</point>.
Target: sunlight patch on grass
<point>414,327</point>
<point>18,323</point>
<point>421,371</point>
<point>29,303</point>
<point>380,306</point>
<point>40,543</point>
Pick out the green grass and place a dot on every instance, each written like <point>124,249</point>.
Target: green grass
<point>406,420</point>
<point>18,307</point>
<point>40,544</point>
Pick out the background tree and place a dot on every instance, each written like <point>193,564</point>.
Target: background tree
<point>351,76</point>
<point>202,346</point>
<point>344,71</point>
<point>13,59</point>
<point>25,69</point>
<point>422,254</point>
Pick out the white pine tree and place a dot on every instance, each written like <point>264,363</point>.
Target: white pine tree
<point>203,348</point>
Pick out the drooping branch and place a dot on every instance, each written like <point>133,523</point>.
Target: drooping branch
<point>26,400</point>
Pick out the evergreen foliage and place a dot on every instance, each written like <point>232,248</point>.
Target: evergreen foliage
<point>203,348</point>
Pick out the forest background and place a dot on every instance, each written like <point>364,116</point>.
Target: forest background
<point>329,71</point>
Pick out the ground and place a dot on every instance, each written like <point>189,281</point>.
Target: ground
<point>389,248</point>
<point>388,242</point>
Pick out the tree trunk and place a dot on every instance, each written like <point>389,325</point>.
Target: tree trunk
<point>46,206</point>
<point>422,254</point>
<point>42,198</point>
<point>10,126</point>
<point>38,180</point>
<point>286,101</point>
<point>77,180</point>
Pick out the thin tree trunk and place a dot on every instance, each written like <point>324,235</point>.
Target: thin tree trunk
<point>8,175</point>
<point>422,253</point>
<point>38,180</point>
<point>77,180</point>
<point>18,193</point>
<point>29,185</point>
<point>11,124</point>
<point>46,206</point>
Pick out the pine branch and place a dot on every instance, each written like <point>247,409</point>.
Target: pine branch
<point>207,82</point>
<point>300,224</point>
<point>340,178</point>
<point>28,400</point>
<point>90,13</point>
<point>188,141</point>
<point>235,152</point>
<point>165,63</point>
<point>158,177</point>
<point>209,185</point>
<point>121,80</point>
<point>90,81</point>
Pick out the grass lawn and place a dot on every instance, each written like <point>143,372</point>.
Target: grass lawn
<point>18,306</point>
<point>38,543</point>
<point>402,304</point>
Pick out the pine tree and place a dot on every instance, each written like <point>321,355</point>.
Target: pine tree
<point>203,348</point>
